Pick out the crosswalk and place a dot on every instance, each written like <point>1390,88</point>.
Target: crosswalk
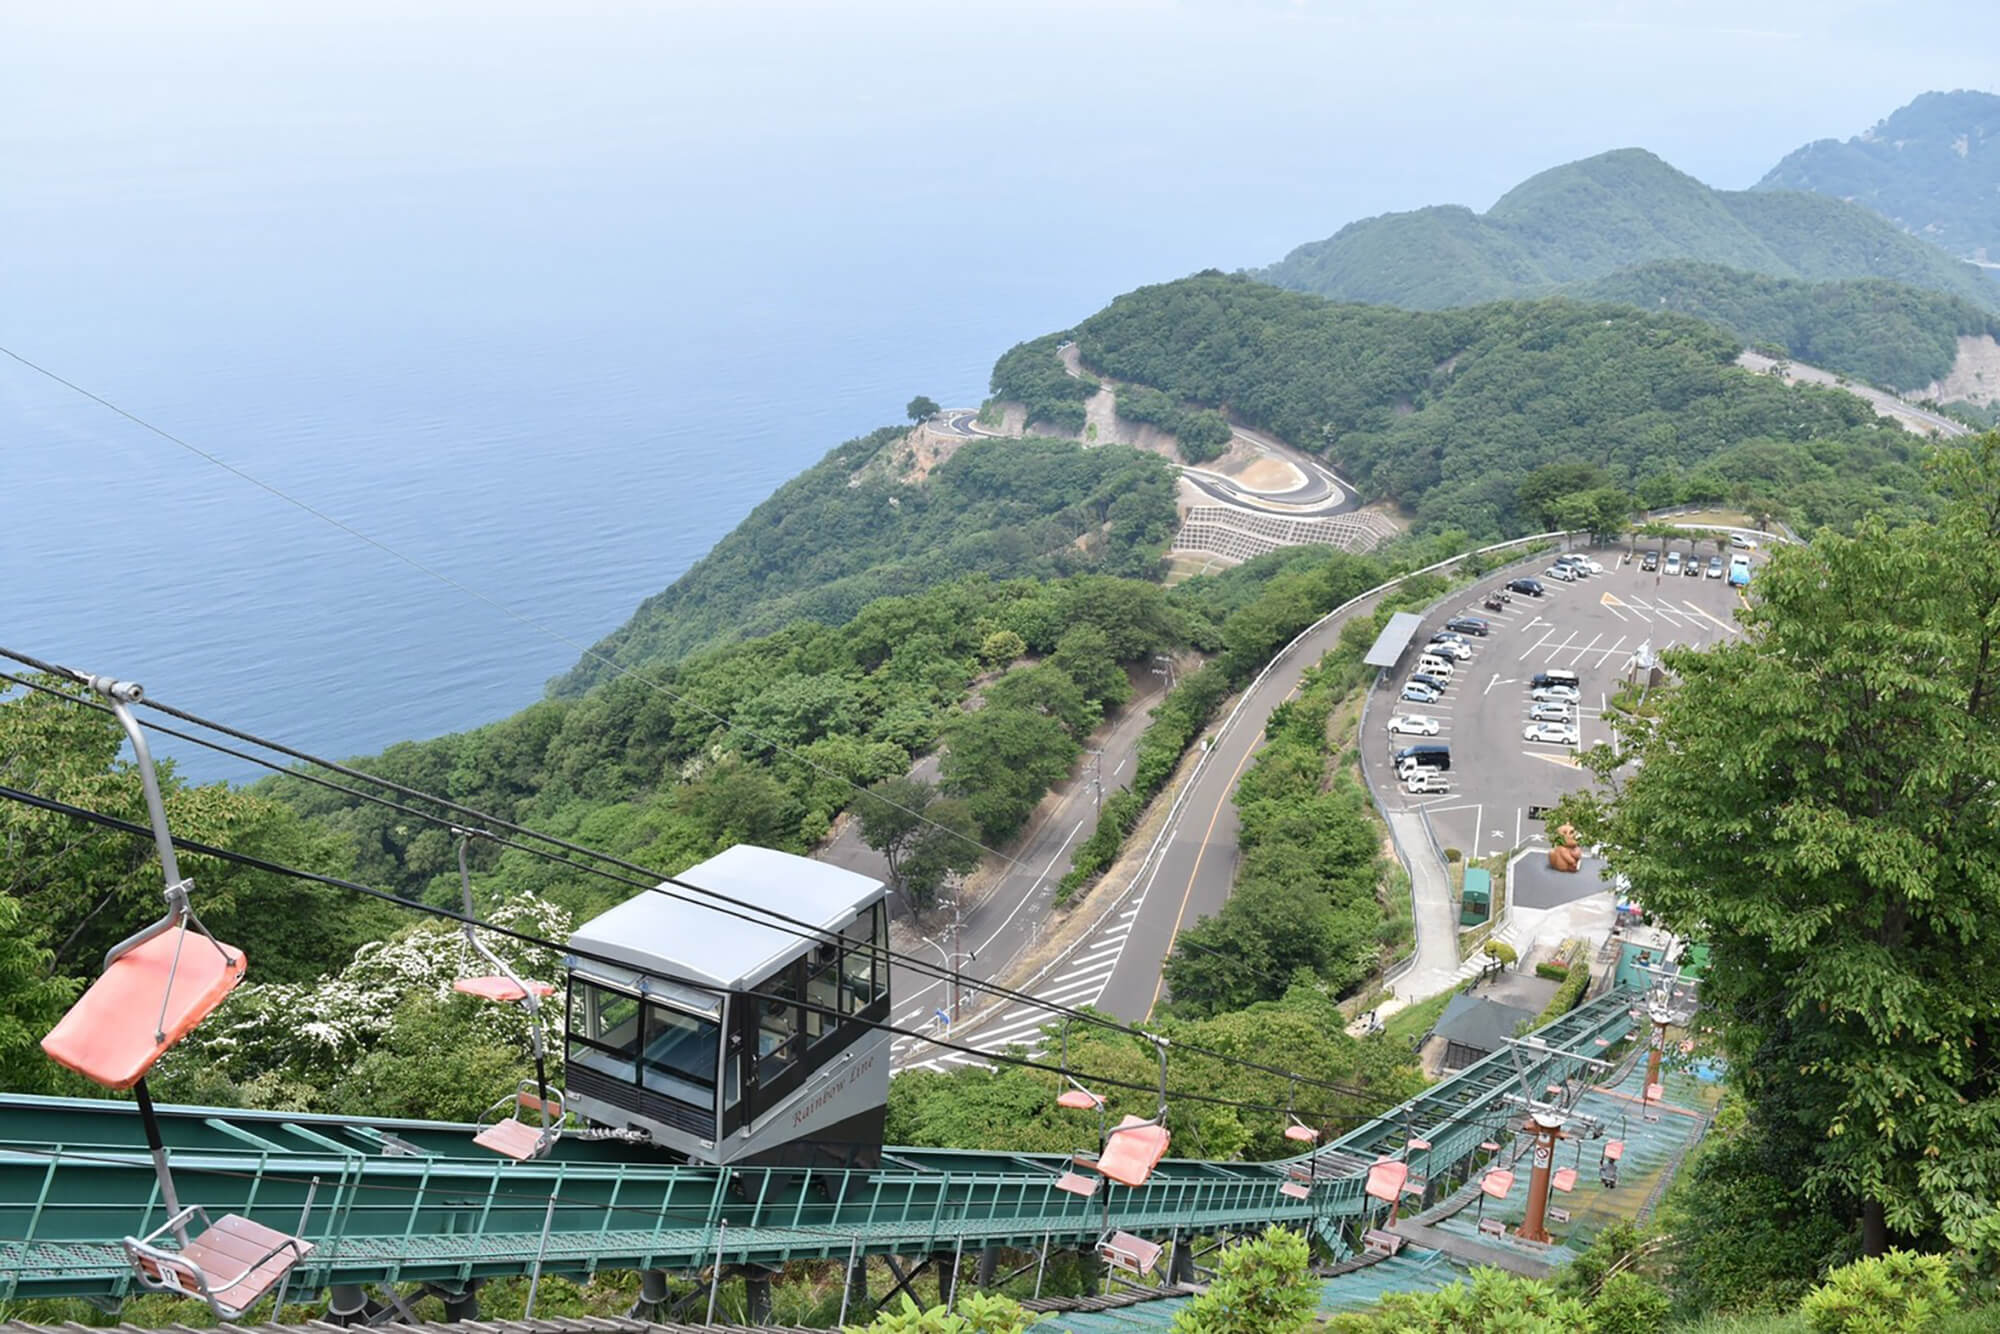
<point>1078,978</point>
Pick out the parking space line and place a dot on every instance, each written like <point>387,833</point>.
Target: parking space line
<point>1585,649</point>
<point>1705,616</point>
<point>1538,643</point>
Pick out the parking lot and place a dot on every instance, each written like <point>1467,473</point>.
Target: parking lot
<point>1593,627</point>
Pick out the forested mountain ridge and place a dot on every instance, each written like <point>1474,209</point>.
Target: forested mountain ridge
<point>1932,168</point>
<point>1448,412</point>
<point>1586,220</point>
<point>1881,332</point>
<point>849,530</point>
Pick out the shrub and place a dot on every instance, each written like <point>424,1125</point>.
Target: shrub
<point>1902,1292</point>
<point>1629,1304</point>
<point>976,1313</point>
<point>1453,854</point>
<point>1554,971</point>
<point>1260,1287</point>
<point>1502,952</point>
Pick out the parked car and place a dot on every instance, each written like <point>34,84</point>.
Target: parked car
<point>1691,567</point>
<point>1650,561</point>
<point>1715,567</point>
<point>1562,734</point>
<point>1561,574</point>
<point>1555,676</point>
<point>1426,780</point>
<point>1414,724</point>
<point>1469,625</point>
<point>1532,587</point>
<point>1437,683</point>
<point>1418,693</point>
<point>1449,646</point>
<point>1742,543</point>
<point>1673,562</point>
<point>1554,711</point>
<point>1556,694</point>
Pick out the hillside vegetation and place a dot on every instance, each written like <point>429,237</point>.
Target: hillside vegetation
<point>849,530</point>
<point>1882,332</point>
<point>1448,413</point>
<point>1932,168</point>
<point>1586,220</point>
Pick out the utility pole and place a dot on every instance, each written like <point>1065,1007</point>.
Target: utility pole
<point>1547,1119</point>
<point>954,958</point>
<point>1666,1005</point>
<point>1096,781</point>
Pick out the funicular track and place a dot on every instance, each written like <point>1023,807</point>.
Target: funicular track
<point>403,1201</point>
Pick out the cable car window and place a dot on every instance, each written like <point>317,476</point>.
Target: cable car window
<point>680,1052</point>
<point>863,977</point>
<point>778,1038</point>
<point>604,1029</point>
<point>822,990</point>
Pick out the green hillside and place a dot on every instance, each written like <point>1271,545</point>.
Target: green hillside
<point>1932,168</point>
<point>1882,332</point>
<point>852,529</point>
<point>1449,412</point>
<point>1585,220</point>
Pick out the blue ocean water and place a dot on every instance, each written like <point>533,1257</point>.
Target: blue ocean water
<point>547,301</point>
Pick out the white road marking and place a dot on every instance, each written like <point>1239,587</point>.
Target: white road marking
<point>1538,643</point>
<point>1585,649</point>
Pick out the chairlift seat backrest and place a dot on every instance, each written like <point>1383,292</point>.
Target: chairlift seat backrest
<point>1081,1100</point>
<point>1497,1183</point>
<point>502,989</point>
<point>1378,1241</point>
<point>1297,1190</point>
<point>516,1139</point>
<point>1614,1149</point>
<point>118,1029</point>
<point>1132,1150</point>
<point>231,1264</point>
<point>1564,1178</point>
<point>1386,1178</point>
<point>1303,1134</point>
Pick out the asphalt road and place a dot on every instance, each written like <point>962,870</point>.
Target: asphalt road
<point>1593,628</point>
<point>1905,413</point>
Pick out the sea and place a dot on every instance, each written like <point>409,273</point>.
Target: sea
<point>366,366</point>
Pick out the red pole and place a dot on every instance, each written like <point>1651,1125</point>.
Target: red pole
<point>1547,1133</point>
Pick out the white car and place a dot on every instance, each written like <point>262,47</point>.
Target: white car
<point>1742,543</point>
<point>1562,734</point>
<point>1553,712</point>
<point>1418,693</point>
<point>1673,562</point>
<point>1450,648</point>
<point>1560,573</point>
<point>1555,694</point>
<point>1426,780</point>
<point>1414,724</point>
<point>1585,563</point>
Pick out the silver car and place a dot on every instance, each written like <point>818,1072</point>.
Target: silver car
<point>1552,712</point>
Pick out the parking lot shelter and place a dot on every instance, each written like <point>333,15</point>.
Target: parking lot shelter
<point>1395,637</point>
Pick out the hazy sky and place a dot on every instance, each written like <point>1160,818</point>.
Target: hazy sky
<point>1302,115</point>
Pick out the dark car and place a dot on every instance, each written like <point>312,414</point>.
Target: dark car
<point>1468,625</point>
<point>1650,561</point>
<point>1436,683</point>
<point>1532,587</point>
<point>1691,567</point>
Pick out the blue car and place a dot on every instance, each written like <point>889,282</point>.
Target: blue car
<point>1419,693</point>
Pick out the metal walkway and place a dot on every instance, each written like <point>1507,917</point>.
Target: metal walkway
<point>400,1201</point>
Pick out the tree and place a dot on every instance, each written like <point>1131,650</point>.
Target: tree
<point>922,409</point>
<point>1261,1287</point>
<point>1001,760</point>
<point>925,838</point>
<point>30,1003</point>
<point>1816,802</point>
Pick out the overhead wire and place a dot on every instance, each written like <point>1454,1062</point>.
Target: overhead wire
<point>1324,1114</point>
<point>657,882</point>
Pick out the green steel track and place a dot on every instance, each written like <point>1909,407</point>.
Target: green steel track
<point>403,1201</point>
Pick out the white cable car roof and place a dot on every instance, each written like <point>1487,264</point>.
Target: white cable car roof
<point>667,937</point>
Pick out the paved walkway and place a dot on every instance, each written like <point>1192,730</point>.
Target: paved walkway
<point>1437,965</point>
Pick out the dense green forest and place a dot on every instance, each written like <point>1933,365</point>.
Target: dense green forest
<point>1879,332</point>
<point>1932,167</point>
<point>851,529</point>
<point>1586,220</point>
<point>1448,412</point>
<point>1030,374</point>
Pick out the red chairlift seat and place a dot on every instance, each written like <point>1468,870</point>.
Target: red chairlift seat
<point>1132,1150</point>
<point>516,1138</point>
<point>1297,1190</point>
<point>1385,1179</point>
<point>1303,1134</point>
<point>1491,1146</point>
<point>1135,1255</point>
<point>1497,1183</point>
<point>1614,1149</point>
<point>232,1265</point>
<point>503,989</point>
<point>1564,1178</point>
<point>1076,1183</point>
<point>1079,1100</point>
<point>1417,1145</point>
<point>142,1004</point>
<point>1380,1241</point>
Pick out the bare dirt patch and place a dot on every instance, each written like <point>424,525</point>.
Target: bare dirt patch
<point>1271,475</point>
<point>1974,377</point>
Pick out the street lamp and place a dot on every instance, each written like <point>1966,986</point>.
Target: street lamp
<point>953,957</point>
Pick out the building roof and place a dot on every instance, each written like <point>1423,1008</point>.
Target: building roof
<point>1481,1024</point>
<point>1395,637</point>
<point>682,935</point>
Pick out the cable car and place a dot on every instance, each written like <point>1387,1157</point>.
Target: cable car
<point>731,1036</point>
